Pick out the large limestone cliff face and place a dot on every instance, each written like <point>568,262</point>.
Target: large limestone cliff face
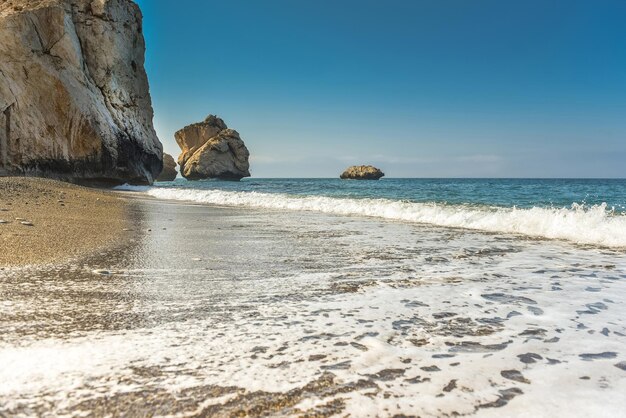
<point>74,99</point>
<point>211,150</point>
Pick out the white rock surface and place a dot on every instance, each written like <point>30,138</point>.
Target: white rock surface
<point>74,97</point>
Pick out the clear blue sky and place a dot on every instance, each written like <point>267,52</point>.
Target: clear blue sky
<point>446,88</point>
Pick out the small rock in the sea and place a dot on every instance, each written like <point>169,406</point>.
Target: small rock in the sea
<point>362,172</point>
<point>20,219</point>
<point>27,223</point>
<point>4,210</point>
<point>211,150</point>
<point>101,272</point>
<point>2,221</point>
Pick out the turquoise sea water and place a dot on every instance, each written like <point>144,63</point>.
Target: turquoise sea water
<point>584,211</point>
<point>522,193</point>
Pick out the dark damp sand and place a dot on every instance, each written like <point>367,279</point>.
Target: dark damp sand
<point>67,220</point>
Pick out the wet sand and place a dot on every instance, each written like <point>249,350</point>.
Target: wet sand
<point>218,311</point>
<point>48,221</point>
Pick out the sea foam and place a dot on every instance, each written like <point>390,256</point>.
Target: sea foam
<point>594,225</point>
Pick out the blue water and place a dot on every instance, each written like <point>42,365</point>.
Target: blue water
<point>521,193</point>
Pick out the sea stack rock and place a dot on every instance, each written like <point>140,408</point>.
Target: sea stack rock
<point>169,172</point>
<point>74,99</point>
<point>362,172</point>
<point>211,150</point>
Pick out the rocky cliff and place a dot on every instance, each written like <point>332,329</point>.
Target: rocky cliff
<point>169,172</point>
<point>211,150</point>
<point>74,99</point>
<point>362,172</point>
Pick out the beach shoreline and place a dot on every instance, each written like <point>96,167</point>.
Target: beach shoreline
<point>46,221</point>
<point>225,311</point>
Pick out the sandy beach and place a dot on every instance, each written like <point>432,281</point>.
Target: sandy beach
<point>48,221</point>
<point>298,209</point>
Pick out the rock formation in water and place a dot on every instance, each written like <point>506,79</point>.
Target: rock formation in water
<point>169,172</point>
<point>211,150</point>
<point>362,172</point>
<point>74,99</point>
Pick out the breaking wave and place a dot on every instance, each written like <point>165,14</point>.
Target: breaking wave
<point>595,225</point>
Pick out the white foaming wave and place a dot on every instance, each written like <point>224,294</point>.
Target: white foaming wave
<point>595,225</point>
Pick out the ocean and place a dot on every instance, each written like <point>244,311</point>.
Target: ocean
<point>321,297</point>
<point>584,211</point>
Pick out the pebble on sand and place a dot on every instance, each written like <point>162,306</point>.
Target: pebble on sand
<point>101,272</point>
<point>27,223</point>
